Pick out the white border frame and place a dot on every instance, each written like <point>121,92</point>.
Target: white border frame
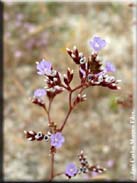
<point>134,30</point>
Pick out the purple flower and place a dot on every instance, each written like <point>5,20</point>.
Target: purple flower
<point>43,67</point>
<point>97,43</point>
<point>57,139</point>
<point>71,170</point>
<point>109,67</point>
<point>38,93</point>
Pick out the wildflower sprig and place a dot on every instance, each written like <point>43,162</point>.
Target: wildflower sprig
<point>84,168</point>
<point>91,73</point>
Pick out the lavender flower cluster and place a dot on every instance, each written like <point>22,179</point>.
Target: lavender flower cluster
<point>91,73</point>
<point>85,168</point>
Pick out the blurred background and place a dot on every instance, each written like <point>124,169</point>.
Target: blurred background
<point>101,125</point>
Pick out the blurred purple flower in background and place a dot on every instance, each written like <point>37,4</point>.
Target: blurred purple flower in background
<point>19,16</point>
<point>29,26</point>
<point>110,163</point>
<point>39,41</point>
<point>71,169</point>
<point>85,176</point>
<point>9,2</point>
<point>39,93</point>
<point>94,174</point>
<point>43,67</point>
<point>97,43</point>
<point>109,67</point>
<point>31,43</point>
<point>18,53</point>
<point>57,139</point>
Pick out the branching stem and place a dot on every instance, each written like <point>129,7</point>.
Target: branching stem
<point>70,104</point>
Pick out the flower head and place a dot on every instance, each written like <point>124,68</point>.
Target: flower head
<point>71,170</point>
<point>39,93</point>
<point>97,43</point>
<point>43,67</point>
<point>57,139</point>
<point>109,67</point>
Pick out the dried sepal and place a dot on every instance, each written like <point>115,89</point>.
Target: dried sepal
<point>58,89</point>
<point>97,169</point>
<point>79,98</point>
<point>38,102</point>
<point>69,177</point>
<point>82,60</point>
<point>83,97</point>
<point>39,136</point>
<point>53,91</point>
<point>65,78</point>
<point>70,74</point>
<point>110,82</point>
<point>83,159</point>
<point>58,76</point>
<point>30,135</point>
<point>82,73</point>
<point>53,79</point>
<point>103,80</point>
<point>94,65</point>
<point>75,55</point>
<point>69,51</point>
<point>53,127</point>
<point>75,51</point>
<point>85,167</point>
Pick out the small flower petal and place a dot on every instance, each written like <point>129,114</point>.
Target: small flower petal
<point>39,93</point>
<point>57,139</point>
<point>109,67</point>
<point>97,43</point>
<point>71,170</point>
<point>43,67</point>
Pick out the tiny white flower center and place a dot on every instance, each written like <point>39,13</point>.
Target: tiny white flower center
<point>56,140</point>
<point>71,169</point>
<point>96,44</point>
